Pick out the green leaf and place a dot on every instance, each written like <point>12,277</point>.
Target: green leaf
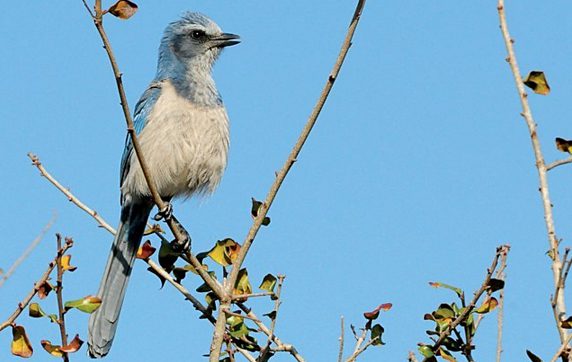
<point>426,351</point>
<point>376,332</point>
<point>203,288</point>
<point>447,286</point>
<point>268,283</point>
<point>35,311</point>
<point>87,304</point>
<point>167,256</point>
<point>254,211</point>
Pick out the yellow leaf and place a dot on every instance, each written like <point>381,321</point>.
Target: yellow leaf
<point>536,80</point>
<point>66,263</point>
<point>21,346</point>
<point>224,252</point>
<point>488,305</point>
<point>563,145</point>
<point>242,285</point>
<point>123,9</point>
<point>52,349</point>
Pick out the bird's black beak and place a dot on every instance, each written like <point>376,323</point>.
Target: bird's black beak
<point>225,40</point>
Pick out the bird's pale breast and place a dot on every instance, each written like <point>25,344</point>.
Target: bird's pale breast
<point>185,146</point>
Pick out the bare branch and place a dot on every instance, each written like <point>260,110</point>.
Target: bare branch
<point>277,303</point>
<point>36,162</point>
<point>28,250</point>
<point>341,352</point>
<point>560,308</point>
<point>24,303</point>
<point>558,163</point>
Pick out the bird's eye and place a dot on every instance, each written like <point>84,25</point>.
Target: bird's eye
<point>198,34</point>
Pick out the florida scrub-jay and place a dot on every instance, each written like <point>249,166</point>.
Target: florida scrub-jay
<point>182,127</point>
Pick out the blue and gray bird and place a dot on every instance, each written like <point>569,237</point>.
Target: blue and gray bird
<point>183,130</point>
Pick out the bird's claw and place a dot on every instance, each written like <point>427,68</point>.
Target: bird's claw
<point>184,244</point>
<point>165,213</point>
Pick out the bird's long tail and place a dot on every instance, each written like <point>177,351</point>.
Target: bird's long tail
<point>103,322</point>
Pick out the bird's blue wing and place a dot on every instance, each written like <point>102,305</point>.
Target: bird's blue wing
<point>142,110</point>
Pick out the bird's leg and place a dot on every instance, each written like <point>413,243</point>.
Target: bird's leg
<point>181,245</point>
<point>165,213</point>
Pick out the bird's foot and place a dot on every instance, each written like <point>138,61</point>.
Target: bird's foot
<point>165,213</point>
<point>184,244</point>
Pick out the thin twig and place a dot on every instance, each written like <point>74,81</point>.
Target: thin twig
<point>362,349</point>
<point>563,346</point>
<point>411,357</point>
<point>277,303</point>
<point>281,175</point>
<point>24,303</point>
<point>445,333</point>
<point>342,330</point>
<point>560,307</point>
<point>36,162</point>
<point>280,346</point>
<point>253,295</point>
<point>358,349</point>
<point>59,294</point>
<point>558,163</point>
<point>28,250</point>
<point>500,309</point>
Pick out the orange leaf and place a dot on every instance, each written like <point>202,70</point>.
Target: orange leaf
<point>375,313</point>
<point>123,9</point>
<point>52,349</point>
<point>146,250</point>
<point>44,289</point>
<point>21,346</point>
<point>73,346</point>
<point>66,263</point>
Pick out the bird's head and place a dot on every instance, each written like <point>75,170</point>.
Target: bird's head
<point>196,37</point>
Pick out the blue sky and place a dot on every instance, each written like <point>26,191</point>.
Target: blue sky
<point>419,166</point>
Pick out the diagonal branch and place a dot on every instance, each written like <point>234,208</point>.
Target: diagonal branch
<point>28,250</point>
<point>560,306</point>
<point>473,302</point>
<point>217,340</point>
